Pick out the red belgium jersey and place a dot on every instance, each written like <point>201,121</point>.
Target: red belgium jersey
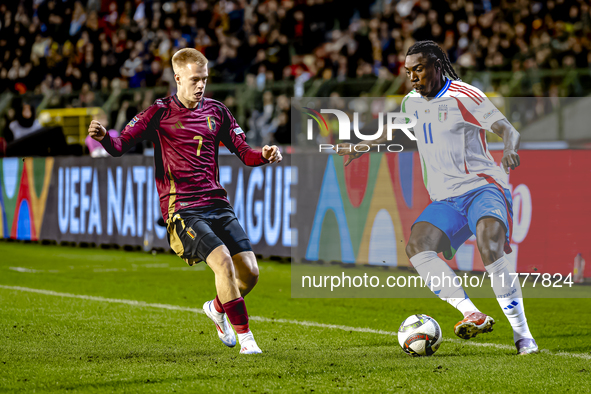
<point>186,149</point>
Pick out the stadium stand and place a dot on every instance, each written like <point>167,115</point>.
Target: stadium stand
<point>65,53</point>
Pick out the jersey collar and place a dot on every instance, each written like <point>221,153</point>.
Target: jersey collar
<point>180,104</point>
<point>443,89</point>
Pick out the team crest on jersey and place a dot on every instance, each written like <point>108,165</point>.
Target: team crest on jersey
<point>133,121</point>
<point>442,113</point>
<point>191,233</point>
<point>211,123</point>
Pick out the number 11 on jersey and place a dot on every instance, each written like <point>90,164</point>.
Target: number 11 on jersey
<point>425,132</point>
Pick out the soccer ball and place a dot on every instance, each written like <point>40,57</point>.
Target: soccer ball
<point>419,335</point>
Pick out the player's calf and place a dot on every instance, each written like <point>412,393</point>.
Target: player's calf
<point>226,272</point>
<point>238,315</point>
<point>247,271</point>
<point>441,280</point>
<point>222,266</point>
<point>510,299</point>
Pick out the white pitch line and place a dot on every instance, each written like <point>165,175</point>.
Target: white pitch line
<point>268,320</point>
<point>100,269</point>
<point>22,269</point>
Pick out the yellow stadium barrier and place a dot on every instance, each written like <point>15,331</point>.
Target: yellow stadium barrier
<point>74,121</point>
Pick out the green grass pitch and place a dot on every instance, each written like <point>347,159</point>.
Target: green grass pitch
<point>83,333</point>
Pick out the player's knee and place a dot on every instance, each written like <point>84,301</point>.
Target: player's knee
<point>225,267</point>
<point>490,251</point>
<point>491,241</point>
<point>251,270</point>
<point>415,246</point>
<point>410,249</point>
<point>253,275</point>
<point>247,264</point>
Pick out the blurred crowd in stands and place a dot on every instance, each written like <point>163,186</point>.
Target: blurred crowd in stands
<point>95,46</point>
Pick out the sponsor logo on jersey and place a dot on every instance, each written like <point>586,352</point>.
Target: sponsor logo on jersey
<point>211,123</point>
<point>178,125</point>
<point>133,121</point>
<point>442,115</point>
<point>489,114</point>
<point>238,130</point>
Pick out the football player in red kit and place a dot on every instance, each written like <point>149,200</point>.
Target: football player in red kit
<point>186,130</point>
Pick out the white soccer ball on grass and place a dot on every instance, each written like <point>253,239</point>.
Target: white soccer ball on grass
<point>419,335</point>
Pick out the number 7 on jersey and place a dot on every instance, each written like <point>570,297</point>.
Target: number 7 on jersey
<point>200,138</point>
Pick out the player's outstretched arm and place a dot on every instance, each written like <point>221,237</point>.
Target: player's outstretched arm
<point>348,149</point>
<point>511,139</point>
<point>252,157</point>
<point>136,130</point>
<point>233,137</point>
<point>272,153</point>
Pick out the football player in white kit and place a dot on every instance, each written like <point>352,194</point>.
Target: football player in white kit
<point>468,190</point>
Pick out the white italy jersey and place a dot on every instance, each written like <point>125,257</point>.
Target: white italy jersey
<point>450,133</point>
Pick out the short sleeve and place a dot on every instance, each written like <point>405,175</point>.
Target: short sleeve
<point>406,108</point>
<point>483,110</point>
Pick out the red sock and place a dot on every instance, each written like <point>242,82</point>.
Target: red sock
<point>218,305</point>
<point>237,314</point>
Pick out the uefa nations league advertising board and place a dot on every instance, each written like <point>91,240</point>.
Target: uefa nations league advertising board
<point>115,201</point>
<point>313,209</point>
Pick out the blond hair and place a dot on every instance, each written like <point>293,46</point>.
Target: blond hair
<point>187,55</point>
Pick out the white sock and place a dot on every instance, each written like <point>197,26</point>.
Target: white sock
<point>247,336</point>
<point>509,297</point>
<point>219,316</point>
<point>429,266</point>
<point>464,305</point>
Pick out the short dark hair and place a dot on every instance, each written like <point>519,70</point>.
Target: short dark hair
<point>431,49</point>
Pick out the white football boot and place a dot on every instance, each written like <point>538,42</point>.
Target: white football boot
<point>526,346</point>
<point>473,324</point>
<point>225,331</point>
<point>248,344</point>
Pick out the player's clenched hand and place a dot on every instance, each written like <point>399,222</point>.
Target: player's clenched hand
<point>346,148</point>
<point>96,130</point>
<point>510,160</point>
<point>272,154</point>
